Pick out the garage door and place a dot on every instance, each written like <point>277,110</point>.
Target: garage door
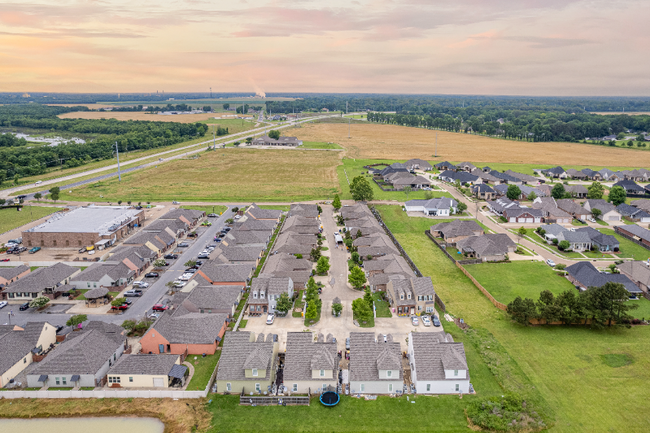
<point>158,382</point>
<point>529,220</point>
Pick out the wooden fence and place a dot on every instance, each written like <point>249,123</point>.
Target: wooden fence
<point>630,238</point>
<point>274,400</point>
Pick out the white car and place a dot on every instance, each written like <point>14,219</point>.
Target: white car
<point>179,284</point>
<point>270,319</point>
<point>3,304</point>
<point>551,263</point>
<point>415,321</point>
<point>185,277</point>
<point>141,284</point>
<point>426,321</point>
<point>237,217</point>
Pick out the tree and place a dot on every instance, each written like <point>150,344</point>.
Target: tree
<point>230,221</point>
<point>355,257</point>
<point>284,303</point>
<point>38,196</point>
<point>558,191</point>
<point>119,202</point>
<point>39,302</point>
<point>630,143</point>
<point>337,202</point>
<point>16,177</point>
<point>359,234</point>
<point>340,220</point>
<point>159,263</point>
<point>522,232</point>
<point>299,256</point>
<point>76,320</point>
<point>564,245</point>
<point>407,190</point>
<point>274,134</point>
<point>532,196</point>
<point>2,201</point>
<point>249,140</point>
<point>361,310</point>
<point>513,192</point>
<point>547,307</point>
<point>522,310</point>
<point>367,296</point>
<point>55,193</point>
<point>190,263</point>
<point>312,311</point>
<point>608,303</point>
<point>462,207</point>
<point>323,265</point>
<point>357,277</point>
<point>319,209</point>
<point>118,301</point>
<point>596,213</point>
<point>129,325</point>
<point>315,254</point>
<point>236,143</point>
<point>617,195</point>
<point>226,106</point>
<point>361,189</point>
<point>337,308</point>
<point>595,191</point>
<point>312,289</point>
<point>428,195</point>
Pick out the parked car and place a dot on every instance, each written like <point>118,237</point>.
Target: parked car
<point>175,202</point>
<point>159,307</point>
<point>152,275</point>
<point>34,250</point>
<point>190,271</point>
<point>3,304</point>
<point>551,263</point>
<point>16,241</point>
<point>178,284</point>
<point>198,263</point>
<point>347,343</point>
<point>222,234</point>
<point>217,240</point>
<point>133,293</point>
<point>183,245</point>
<point>203,256</point>
<point>128,302</point>
<point>5,260</point>
<point>82,250</point>
<point>415,321</point>
<point>212,215</point>
<point>237,217</point>
<point>171,256</point>
<point>120,307</point>
<point>24,306</point>
<point>185,277</point>
<point>141,284</point>
<point>192,235</point>
<point>226,229</point>
<point>426,321</point>
<point>20,250</point>
<point>436,321</point>
<point>270,319</point>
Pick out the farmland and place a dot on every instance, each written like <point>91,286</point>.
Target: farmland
<point>375,141</point>
<point>568,365</point>
<point>225,175</point>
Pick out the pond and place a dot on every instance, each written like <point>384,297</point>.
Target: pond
<point>95,425</point>
<point>54,141</point>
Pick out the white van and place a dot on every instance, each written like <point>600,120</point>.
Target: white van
<point>38,182</point>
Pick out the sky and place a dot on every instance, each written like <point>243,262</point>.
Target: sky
<point>504,47</point>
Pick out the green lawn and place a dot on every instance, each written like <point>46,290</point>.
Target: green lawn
<point>282,207</point>
<point>203,368</point>
<point>355,168</point>
<point>643,312</point>
<point>528,168</point>
<point>10,218</point>
<point>234,126</point>
<point>383,308</point>
<point>319,145</point>
<point>242,324</point>
<point>565,364</point>
<point>218,209</point>
<point>506,281</point>
<point>628,248</point>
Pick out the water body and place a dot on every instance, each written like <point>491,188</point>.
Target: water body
<point>94,425</point>
<point>55,141</point>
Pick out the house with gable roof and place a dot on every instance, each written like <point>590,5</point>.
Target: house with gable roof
<point>310,365</point>
<point>265,292</point>
<point>375,365</point>
<point>19,345</point>
<point>438,364</point>
<point>408,296</point>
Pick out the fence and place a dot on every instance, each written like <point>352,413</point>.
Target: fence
<point>106,393</point>
<point>276,400</point>
<point>630,238</point>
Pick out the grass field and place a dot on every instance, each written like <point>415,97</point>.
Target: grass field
<point>282,207</point>
<point>10,218</point>
<point>218,209</point>
<point>225,175</point>
<point>375,141</point>
<point>203,369</point>
<point>628,248</point>
<point>506,281</point>
<point>565,364</point>
<point>319,145</point>
<point>234,125</point>
<point>137,115</point>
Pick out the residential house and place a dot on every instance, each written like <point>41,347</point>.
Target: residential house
<point>175,228</point>
<point>631,188</point>
<point>113,276</point>
<point>375,245</point>
<point>605,173</point>
<point>217,273</point>
<point>265,292</point>
<point>250,238</point>
<point>521,214</point>
<point>465,166</point>
<point>608,210</point>
<point>265,140</point>
<point>524,178</point>
<point>138,258</point>
<point>147,371</point>
<point>409,296</point>
<point>287,265</point>
<point>486,177</point>
<point>414,182</point>
<point>380,270</point>
<point>600,241</point>
<point>638,272</point>
<point>291,243</point>
<point>255,212</point>
<point>83,359</point>
<point>499,205</point>
<point>375,365</point>
<point>573,208</point>
<point>301,225</point>
<point>19,346</point>
<point>438,364</point>
<point>636,233</point>
<point>310,364</point>
<point>50,282</point>
<point>643,204</point>
<point>442,206</point>
<point>555,173</point>
<point>191,217</point>
<point>463,177</point>
<point>585,275</point>
<point>10,274</point>
<point>418,164</point>
<point>578,240</point>
<point>632,213</point>
<point>575,174</point>
<point>304,210</point>
<point>576,191</point>
<point>592,174</point>
<point>445,165</point>
<point>156,242</point>
<point>247,364</point>
<point>182,332</point>
<point>526,191</point>
<point>210,299</point>
<point>238,254</point>
<point>456,230</point>
<point>551,213</point>
<point>488,247</point>
<point>483,191</point>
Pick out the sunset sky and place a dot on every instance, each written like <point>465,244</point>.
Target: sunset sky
<point>515,47</point>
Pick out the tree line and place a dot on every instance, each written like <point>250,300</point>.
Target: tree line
<point>598,306</point>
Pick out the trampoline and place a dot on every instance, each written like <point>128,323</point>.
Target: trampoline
<point>330,398</point>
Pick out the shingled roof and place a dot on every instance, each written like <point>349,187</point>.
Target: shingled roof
<point>141,363</point>
<point>258,213</point>
<point>42,278</point>
<point>368,356</point>
<point>435,352</point>
<point>304,355</point>
<point>182,327</point>
<point>239,353</point>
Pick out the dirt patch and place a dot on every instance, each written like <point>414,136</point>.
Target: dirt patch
<point>374,141</point>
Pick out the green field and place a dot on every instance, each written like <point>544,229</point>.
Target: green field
<point>10,218</point>
<point>203,369</point>
<point>528,168</point>
<point>282,207</point>
<point>319,145</point>
<point>566,364</point>
<point>218,209</point>
<point>234,126</point>
<point>628,248</point>
<point>506,281</point>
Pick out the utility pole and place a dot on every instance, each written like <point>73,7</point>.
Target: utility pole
<point>117,152</point>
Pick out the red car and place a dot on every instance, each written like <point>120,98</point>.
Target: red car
<point>120,307</point>
<point>5,260</point>
<point>159,307</point>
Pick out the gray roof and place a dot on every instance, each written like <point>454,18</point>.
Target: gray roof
<point>83,352</point>
<point>247,237</point>
<point>270,285</point>
<point>304,210</point>
<point>457,228</point>
<point>487,245</point>
<point>189,214</point>
<point>575,189</point>
<point>301,225</point>
<point>294,243</point>
<point>589,276</point>
<point>636,271</point>
<point>99,292</point>
<point>259,213</point>
<point>239,353</point>
<point>253,224</point>
<point>89,219</point>
<point>521,176</point>
<point>598,237</point>
<point>571,207</point>
<point>160,225</point>
<point>227,273</point>
<point>148,364</point>
<point>434,203</point>
<point>435,352</point>
<point>637,231</point>
<point>304,355</point>
<point>8,273</point>
<point>574,237</point>
<point>97,271</point>
<point>482,188</point>
<point>285,265</point>
<point>210,297</point>
<point>368,356</point>
<point>144,237</point>
<point>42,278</point>
<point>601,204</point>
<point>554,229</point>
<point>421,163</point>
<point>416,286</point>
<point>182,327</point>
<point>641,204</point>
<point>16,342</point>
<point>240,253</point>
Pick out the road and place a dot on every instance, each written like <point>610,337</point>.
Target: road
<point>152,295</point>
<point>195,148</point>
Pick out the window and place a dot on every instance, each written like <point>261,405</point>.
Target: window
<point>390,387</point>
<point>131,379</point>
<point>25,361</point>
<point>322,373</point>
<point>401,296</point>
<point>95,285</point>
<point>57,381</point>
<point>295,387</point>
<point>255,372</point>
<point>457,387</point>
<point>79,242</point>
<point>257,388</point>
<point>362,387</point>
<point>42,243</point>
<point>254,295</point>
<point>419,307</point>
<point>88,284</point>
<point>54,242</point>
<point>455,372</point>
<point>261,295</point>
<point>114,379</point>
<point>389,373</point>
<point>114,357</point>
<point>428,387</point>
<point>408,296</point>
<point>228,387</point>
<point>63,380</point>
